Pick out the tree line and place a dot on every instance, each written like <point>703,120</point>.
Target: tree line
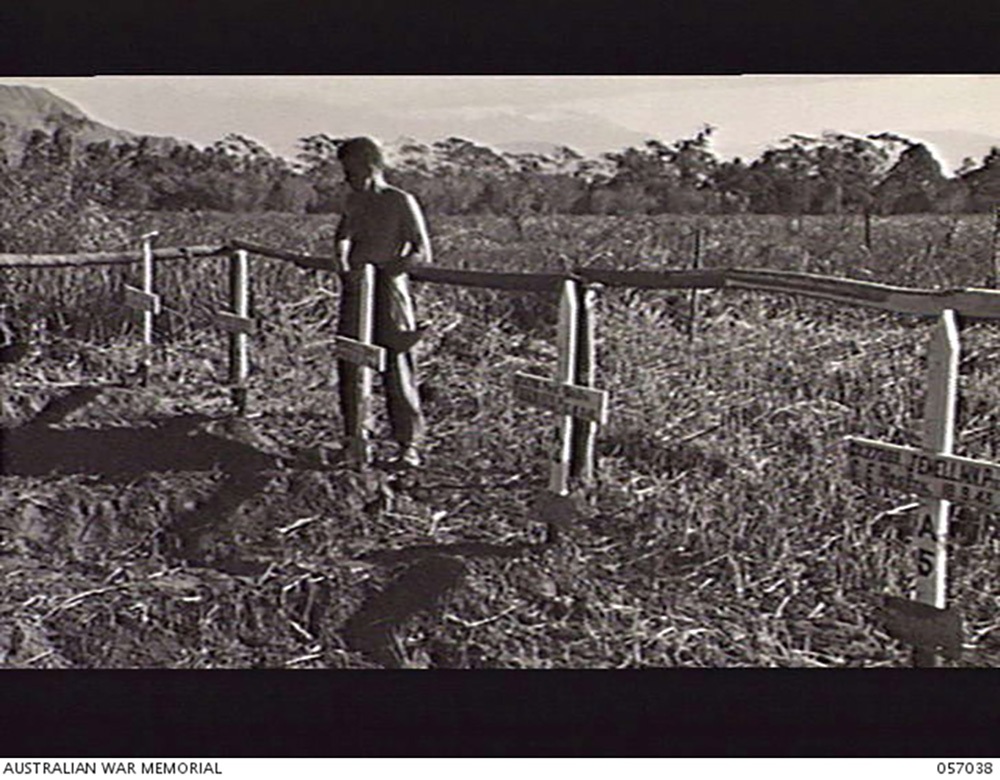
<point>834,173</point>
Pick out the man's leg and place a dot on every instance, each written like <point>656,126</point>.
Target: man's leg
<point>403,400</point>
<point>395,328</point>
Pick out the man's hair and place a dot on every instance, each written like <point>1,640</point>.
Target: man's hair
<point>363,149</point>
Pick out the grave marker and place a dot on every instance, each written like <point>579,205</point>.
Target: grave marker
<point>584,430</point>
<point>582,403</point>
<point>239,301</point>
<point>144,302</point>
<point>573,402</point>
<point>363,353</point>
<point>234,323</point>
<point>931,473</point>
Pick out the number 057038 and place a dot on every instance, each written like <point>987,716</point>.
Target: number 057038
<point>965,767</point>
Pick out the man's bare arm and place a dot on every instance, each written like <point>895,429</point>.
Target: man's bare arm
<point>418,245</point>
<point>343,242</point>
<point>344,255</point>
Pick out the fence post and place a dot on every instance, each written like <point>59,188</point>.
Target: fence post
<point>148,279</point>
<point>566,339</point>
<point>995,245</point>
<point>931,542</point>
<point>239,302</point>
<point>585,431</point>
<point>359,448</point>
<point>695,265</point>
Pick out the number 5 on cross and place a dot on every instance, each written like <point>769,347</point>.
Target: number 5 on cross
<point>931,543</point>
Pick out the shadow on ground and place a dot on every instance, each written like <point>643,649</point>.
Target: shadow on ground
<point>123,453</point>
<point>421,588</point>
<point>434,571</point>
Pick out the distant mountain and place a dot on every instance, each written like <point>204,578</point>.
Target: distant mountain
<point>510,129</point>
<point>26,109</point>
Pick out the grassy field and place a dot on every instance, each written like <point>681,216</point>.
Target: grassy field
<point>144,527</point>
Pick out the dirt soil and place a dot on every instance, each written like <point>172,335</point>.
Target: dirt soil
<point>210,540</point>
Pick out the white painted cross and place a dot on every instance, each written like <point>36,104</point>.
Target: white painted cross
<point>933,472</point>
<point>239,325</point>
<point>367,356</point>
<point>585,430</point>
<point>561,395</point>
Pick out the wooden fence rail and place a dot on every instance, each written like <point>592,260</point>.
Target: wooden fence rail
<point>971,302</point>
<point>78,260</point>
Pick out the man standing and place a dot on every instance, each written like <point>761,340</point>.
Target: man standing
<point>382,226</point>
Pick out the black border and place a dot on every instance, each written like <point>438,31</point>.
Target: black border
<point>484,714</point>
<point>640,713</point>
<point>66,37</point>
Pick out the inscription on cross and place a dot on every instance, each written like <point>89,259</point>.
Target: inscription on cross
<point>576,404</point>
<point>938,477</point>
<point>927,475</point>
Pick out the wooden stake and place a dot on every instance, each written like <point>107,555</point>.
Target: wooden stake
<point>931,543</point>
<point>868,230</point>
<point>359,447</point>
<point>566,339</point>
<point>996,246</point>
<point>239,302</point>
<point>147,313</point>
<point>584,431</point>
<point>695,265</point>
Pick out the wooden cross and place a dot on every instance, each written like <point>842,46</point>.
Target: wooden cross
<point>239,325</point>
<point>575,403</point>
<point>939,478</point>
<point>368,357</point>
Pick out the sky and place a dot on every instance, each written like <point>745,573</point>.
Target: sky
<point>956,115</point>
